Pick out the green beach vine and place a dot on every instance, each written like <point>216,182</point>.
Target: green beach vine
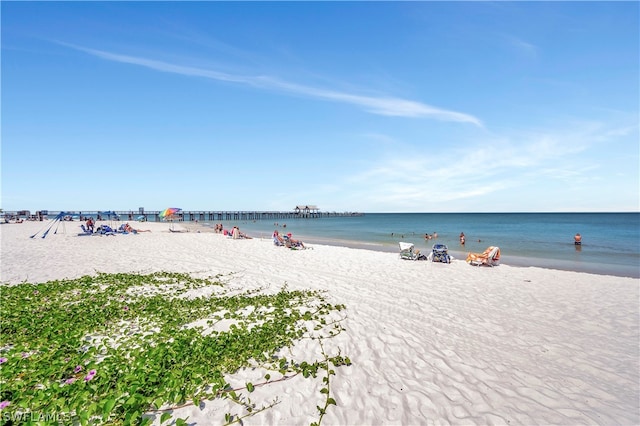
<point>126,348</point>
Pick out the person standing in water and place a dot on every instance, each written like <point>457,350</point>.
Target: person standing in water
<point>577,240</point>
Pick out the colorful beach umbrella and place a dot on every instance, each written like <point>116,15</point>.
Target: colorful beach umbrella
<point>169,212</point>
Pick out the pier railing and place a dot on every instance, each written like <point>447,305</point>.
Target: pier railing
<point>185,216</point>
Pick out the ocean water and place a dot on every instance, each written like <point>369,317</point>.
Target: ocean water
<point>610,241</point>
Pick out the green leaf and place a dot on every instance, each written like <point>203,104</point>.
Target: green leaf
<point>155,359</point>
<point>106,409</point>
<point>164,417</point>
<point>131,400</point>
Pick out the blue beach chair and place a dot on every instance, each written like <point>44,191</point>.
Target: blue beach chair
<point>85,231</point>
<point>440,253</point>
<point>105,230</point>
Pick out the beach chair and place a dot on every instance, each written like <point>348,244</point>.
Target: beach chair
<point>105,230</point>
<point>85,231</point>
<point>440,253</point>
<point>490,257</point>
<point>407,252</point>
<point>178,228</point>
<point>294,245</point>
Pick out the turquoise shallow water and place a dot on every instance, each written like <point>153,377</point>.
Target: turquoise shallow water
<point>611,241</point>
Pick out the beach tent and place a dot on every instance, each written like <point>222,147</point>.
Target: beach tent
<point>44,231</point>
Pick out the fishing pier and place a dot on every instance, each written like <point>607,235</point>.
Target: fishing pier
<point>300,212</point>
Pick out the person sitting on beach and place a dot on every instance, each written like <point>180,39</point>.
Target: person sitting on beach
<point>577,240</point>
<point>291,243</point>
<point>277,239</point>
<point>90,224</point>
<point>490,257</point>
<point>236,234</point>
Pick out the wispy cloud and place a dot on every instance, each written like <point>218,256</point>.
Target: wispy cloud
<point>504,164</point>
<point>388,106</point>
<point>525,47</point>
<point>528,49</point>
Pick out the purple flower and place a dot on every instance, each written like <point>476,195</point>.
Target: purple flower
<point>69,381</point>
<point>4,404</point>
<point>25,354</point>
<point>77,369</point>
<point>90,376</point>
<point>126,308</point>
<point>3,360</point>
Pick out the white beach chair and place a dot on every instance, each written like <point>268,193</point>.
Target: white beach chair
<point>408,253</point>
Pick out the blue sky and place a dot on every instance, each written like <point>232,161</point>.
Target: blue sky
<point>350,106</point>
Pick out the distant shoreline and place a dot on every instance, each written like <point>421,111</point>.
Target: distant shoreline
<point>598,269</point>
<point>265,229</point>
<point>517,261</point>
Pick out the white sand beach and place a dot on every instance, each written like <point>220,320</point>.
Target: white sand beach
<point>429,343</point>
